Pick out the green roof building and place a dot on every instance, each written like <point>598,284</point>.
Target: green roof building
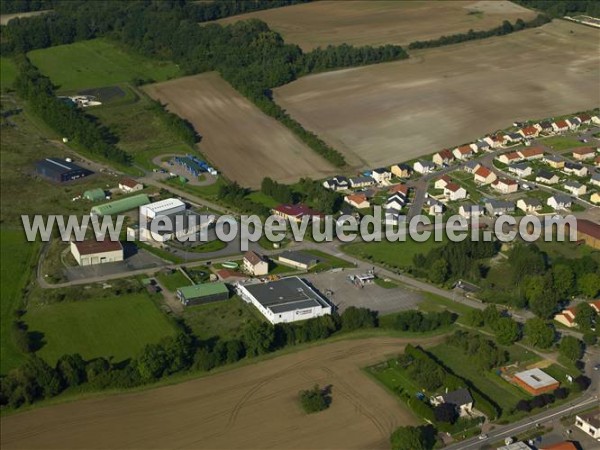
<point>94,195</point>
<point>121,205</point>
<point>202,293</point>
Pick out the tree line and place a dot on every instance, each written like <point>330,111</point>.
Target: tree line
<point>561,8</point>
<point>18,6</point>
<point>306,190</point>
<point>250,56</point>
<point>64,118</point>
<point>36,380</point>
<point>181,128</point>
<point>471,35</point>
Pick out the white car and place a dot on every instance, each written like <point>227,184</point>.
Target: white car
<point>483,437</point>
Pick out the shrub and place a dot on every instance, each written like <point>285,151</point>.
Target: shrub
<point>315,399</point>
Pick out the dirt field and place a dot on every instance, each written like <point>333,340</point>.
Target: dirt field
<point>377,22</point>
<point>447,96</point>
<point>237,137</point>
<point>252,407</point>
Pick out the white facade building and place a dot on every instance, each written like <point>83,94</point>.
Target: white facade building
<point>162,208</point>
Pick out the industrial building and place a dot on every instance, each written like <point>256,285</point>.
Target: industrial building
<point>90,252</point>
<point>298,260</point>
<point>285,300</point>
<point>120,206</point>
<point>535,381</point>
<point>162,208</point>
<point>198,294</point>
<point>60,170</point>
<point>178,225</point>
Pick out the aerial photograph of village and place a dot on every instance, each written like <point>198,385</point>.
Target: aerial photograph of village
<point>300,224</point>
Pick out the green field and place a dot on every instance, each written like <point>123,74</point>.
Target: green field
<point>173,280</point>
<point>116,327</point>
<point>327,261</point>
<point>391,254</point>
<point>97,63</point>
<point>8,72</point>
<point>561,143</point>
<point>503,393</point>
<point>225,319</point>
<point>18,261</point>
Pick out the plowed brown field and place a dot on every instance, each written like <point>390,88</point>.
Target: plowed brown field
<point>255,406</point>
<point>241,141</point>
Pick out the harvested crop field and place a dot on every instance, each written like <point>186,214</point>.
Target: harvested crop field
<point>255,406</point>
<point>378,22</point>
<point>447,96</point>
<point>241,141</point>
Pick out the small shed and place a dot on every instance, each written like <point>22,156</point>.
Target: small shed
<point>198,294</point>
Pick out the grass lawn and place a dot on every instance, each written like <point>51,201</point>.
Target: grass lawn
<point>570,250</point>
<point>8,72</point>
<point>210,246</point>
<point>116,327</point>
<point>18,258</point>
<point>392,254</point>
<point>488,382</point>
<point>225,319</point>
<point>561,143</point>
<point>209,192</point>
<point>97,63</point>
<point>173,280</point>
<point>259,197</point>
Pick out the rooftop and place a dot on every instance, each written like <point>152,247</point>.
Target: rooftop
<point>300,257</point>
<point>253,258</point>
<point>129,182</point>
<point>91,246</point>
<point>536,378</point>
<point>593,418</point>
<point>165,205</point>
<point>298,210</point>
<point>459,397</point>
<point>202,290</point>
<point>286,294</point>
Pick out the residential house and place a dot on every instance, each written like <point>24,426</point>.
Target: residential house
<point>554,161</point>
<point>546,126</point>
<point>295,212</point>
<point>561,126</point>
<point>509,158</point>
<point>442,181</point>
<point>395,202</point>
<point>530,132</point>
<point>453,192</point>
<point>461,399</point>
<point>381,175</point>
<point>595,180</point>
<point>471,166</point>
<point>576,189</point>
<point>338,183</point>
<point>576,169</point>
<point>585,118</point>
<point>443,157</point>
<point>499,207</point>
<point>513,138</point>
<point>521,170</point>
<point>401,170</point>
<point>596,120</point>
<point>531,153</point>
<point>543,176</point>
<point>589,423</point>
<point>483,175</point>
<point>505,185</point>
<point>360,182</point>
<point>575,122</point>
<point>529,205</point>
<point>359,201</point>
<point>559,202</point>
<point>496,141</point>
<point>468,211</point>
<point>128,185</point>
<point>401,189</point>
<point>255,264</point>
<point>584,153</point>
<point>482,146</point>
<point>463,152</point>
<point>433,206</point>
<point>424,167</point>
<point>595,198</point>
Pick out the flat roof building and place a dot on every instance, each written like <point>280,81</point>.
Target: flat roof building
<point>589,423</point>
<point>285,300</point>
<point>162,208</point>
<point>60,170</point>
<point>299,260</point>
<point>90,252</point>
<point>535,381</point>
<point>197,294</point>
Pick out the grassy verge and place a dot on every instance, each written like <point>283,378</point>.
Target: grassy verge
<point>173,280</point>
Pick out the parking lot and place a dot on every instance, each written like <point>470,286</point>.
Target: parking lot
<point>343,293</point>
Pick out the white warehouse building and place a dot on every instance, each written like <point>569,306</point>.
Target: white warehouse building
<point>91,252</point>
<point>162,208</point>
<point>285,300</point>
